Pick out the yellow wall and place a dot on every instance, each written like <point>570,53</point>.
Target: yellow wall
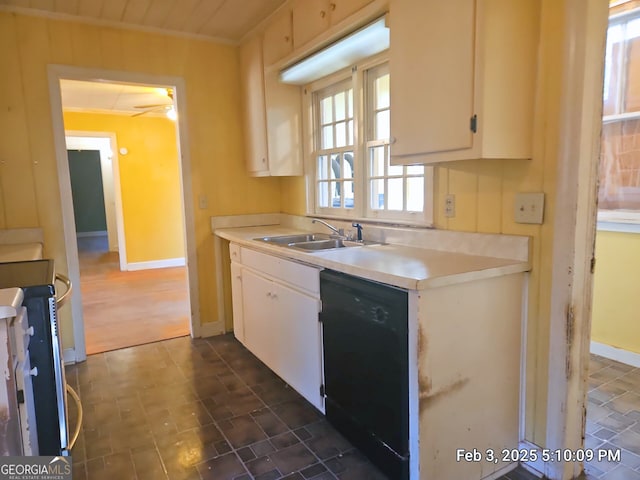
<point>149,182</point>
<point>485,191</point>
<point>616,302</point>
<point>29,193</point>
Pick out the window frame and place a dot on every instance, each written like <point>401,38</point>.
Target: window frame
<point>613,216</point>
<point>362,210</point>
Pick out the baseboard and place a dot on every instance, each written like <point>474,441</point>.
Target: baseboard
<point>166,263</point>
<point>97,233</point>
<point>211,329</point>
<point>69,356</point>
<point>617,354</point>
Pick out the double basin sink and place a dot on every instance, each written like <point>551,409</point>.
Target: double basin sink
<point>312,242</point>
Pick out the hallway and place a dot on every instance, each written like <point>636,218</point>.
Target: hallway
<point>122,309</point>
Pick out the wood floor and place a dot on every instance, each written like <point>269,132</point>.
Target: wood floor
<point>123,309</point>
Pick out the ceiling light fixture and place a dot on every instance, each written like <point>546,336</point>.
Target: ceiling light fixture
<point>365,42</point>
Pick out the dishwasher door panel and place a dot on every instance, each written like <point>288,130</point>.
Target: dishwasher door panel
<point>366,358</point>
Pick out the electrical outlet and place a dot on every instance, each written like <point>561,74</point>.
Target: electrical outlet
<point>450,205</point>
<point>529,208</point>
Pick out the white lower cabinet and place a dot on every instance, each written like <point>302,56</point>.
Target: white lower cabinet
<point>278,319</point>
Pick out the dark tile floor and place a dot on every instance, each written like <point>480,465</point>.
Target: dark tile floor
<point>204,409</point>
<point>613,418</point>
<point>187,409</point>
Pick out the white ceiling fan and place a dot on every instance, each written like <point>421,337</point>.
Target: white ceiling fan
<point>167,108</point>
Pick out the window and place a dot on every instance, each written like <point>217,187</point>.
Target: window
<point>351,131</point>
<point>619,192</point>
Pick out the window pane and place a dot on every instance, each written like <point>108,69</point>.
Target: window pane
<point>612,64</point>
<point>348,194</point>
<point>415,194</point>
<point>348,165</point>
<point>632,84</point>
<point>620,166</point>
<point>376,194</point>
<point>415,170</point>
<point>326,109</point>
<point>341,134</point>
<point>350,132</point>
<point>396,193</point>
<point>396,170</point>
<point>336,190</point>
<point>382,125</point>
<point>377,161</point>
<point>327,137</point>
<point>382,92</point>
<point>323,194</point>
<point>341,108</point>
<point>335,166</point>
<point>323,167</point>
<point>350,103</point>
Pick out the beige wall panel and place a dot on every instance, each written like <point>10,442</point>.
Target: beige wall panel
<point>16,176</point>
<point>463,183</point>
<point>490,173</point>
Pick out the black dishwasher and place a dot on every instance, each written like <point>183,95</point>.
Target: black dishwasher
<point>365,343</point>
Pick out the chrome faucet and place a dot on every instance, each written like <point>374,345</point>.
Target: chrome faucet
<point>338,231</point>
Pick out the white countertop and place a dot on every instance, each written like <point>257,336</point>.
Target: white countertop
<point>413,268</point>
<point>10,301</point>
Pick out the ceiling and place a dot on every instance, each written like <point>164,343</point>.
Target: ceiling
<point>227,20</point>
<point>101,97</point>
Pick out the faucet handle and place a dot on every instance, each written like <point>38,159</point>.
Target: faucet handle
<point>359,228</point>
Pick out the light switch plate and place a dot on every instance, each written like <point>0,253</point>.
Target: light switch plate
<point>202,202</point>
<point>529,208</point>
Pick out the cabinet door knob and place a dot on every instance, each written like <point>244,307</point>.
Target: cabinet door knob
<point>286,39</point>
<point>264,160</point>
<point>332,6</point>
<point>274,296</point>
<point>34,372</point>
<point>268,294</point>
<point>322,13</point>
<point>30,331</point>
<point>392,140</point>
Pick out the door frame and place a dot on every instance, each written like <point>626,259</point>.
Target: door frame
<point>574,228</point>
<point>106,143</point>
<point>56,73</point>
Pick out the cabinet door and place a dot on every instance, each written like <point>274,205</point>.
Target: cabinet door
<point>341,9</point>
<point>278,37</point>
<point>260,333</point>
<point>299,342</point>
<point>432,75</point>
<point>255,126</point>
<point>310,19</point>
<point>236,301</point>
<point>284,121</point>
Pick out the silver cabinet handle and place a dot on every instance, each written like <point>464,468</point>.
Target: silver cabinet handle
<point>60,301</point>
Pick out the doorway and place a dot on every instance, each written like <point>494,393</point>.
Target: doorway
<point>613,408</point>
<point>162,281</point>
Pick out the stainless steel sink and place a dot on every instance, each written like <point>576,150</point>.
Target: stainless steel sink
<point>323,244</point>
<point>312,242</point>
<point>288,239</point>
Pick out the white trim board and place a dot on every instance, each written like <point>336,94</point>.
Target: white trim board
<point>617,354</point>
<point>166,263</point>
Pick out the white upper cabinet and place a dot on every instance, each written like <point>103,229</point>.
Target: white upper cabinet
<point>313,17</point>
<point>278,37</point>
<point>462,79</point>
<point>272,117</point>
<point>255,126</point>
